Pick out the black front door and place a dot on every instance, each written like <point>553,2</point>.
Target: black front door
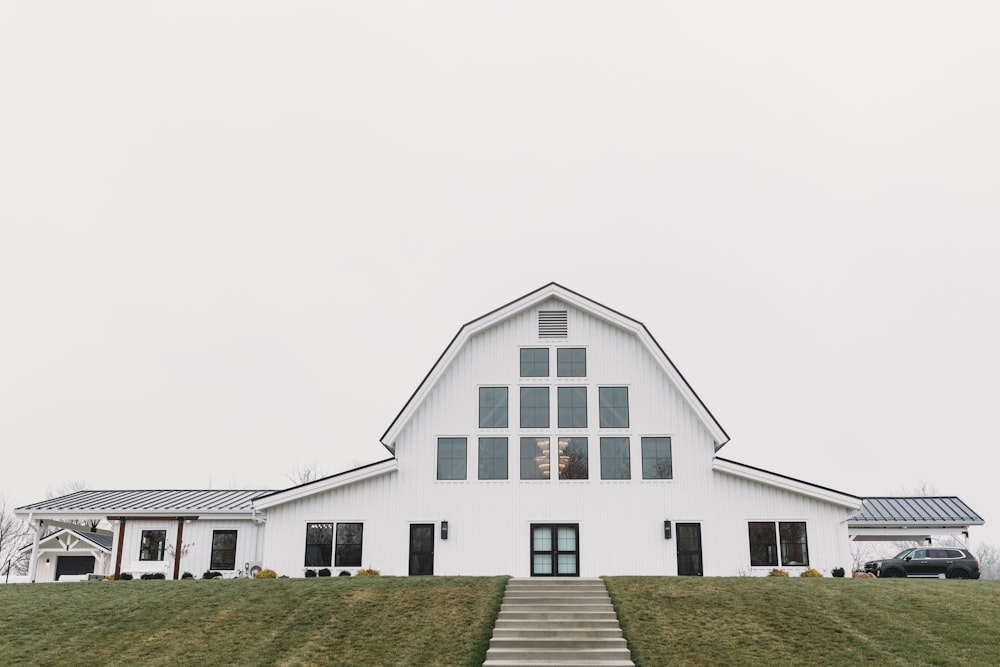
<point>74,565</point>
<point>555,550</point>
<point>689,550</point>
<point>421,548</point>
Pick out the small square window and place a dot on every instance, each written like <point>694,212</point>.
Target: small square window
<point>572,407</point>
<point>615,462</point>
<point>493,458</point>
<point>571,362</point>
<point>534,407</point>
<point>573,458</point>
<point>153,543</point>
<point>534,362</point>
<point>657,462</point>
<point>493,407</point>
<point>613,404</point>
<point>451,458</point>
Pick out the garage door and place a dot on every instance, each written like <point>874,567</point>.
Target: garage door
<point>74,565</point>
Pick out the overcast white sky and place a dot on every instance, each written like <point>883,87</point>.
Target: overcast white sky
<point>234,236</point>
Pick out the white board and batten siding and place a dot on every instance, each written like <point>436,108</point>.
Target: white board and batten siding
<point>197,536</point>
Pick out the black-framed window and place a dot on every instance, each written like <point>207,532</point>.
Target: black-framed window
<point>571,362</point>
<point>794,543</point>
<point>152,545</point>
<point>534,362</point>
<point>493,458</point>
<point>613,404</point>
<point>615,463</point>
<point>573,458</point>
<point>657,461</point>
<point>534,407</point>
<point>493,407</point>
<point>535,458</point>
<point>572,410</point>
<point>349,541</point>
<point>319,544</point>
<point>223,550</point>
<point>452,455</point>
<point>764,545</point>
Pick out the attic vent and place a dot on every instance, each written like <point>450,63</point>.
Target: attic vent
<point>552,324</point>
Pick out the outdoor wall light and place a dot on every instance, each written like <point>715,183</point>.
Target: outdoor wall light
<point>666,529</point>
<point>444,530</point>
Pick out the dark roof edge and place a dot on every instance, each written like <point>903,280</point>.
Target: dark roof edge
<point>323,479</point>
<point>792,479</point>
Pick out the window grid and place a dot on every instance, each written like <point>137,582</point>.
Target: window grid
<point>534,362</point>
<point>535,458</point>
<point>657,462</point>
<point>615,462</point>
<point>572,410</point>
<point>613,404</point>
<point>493,407</point>
<point>534,407</point>
<point>573,458</point>
<point>571,362</point>
<point>493,458</point>
<point>451,458</point>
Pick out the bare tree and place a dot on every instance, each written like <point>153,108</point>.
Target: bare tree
<point>67,488</point>
<point>14,535</point>
<point>302,473</point>
<point>989,561</point>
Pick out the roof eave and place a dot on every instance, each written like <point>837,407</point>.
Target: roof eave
<point>787,483</point>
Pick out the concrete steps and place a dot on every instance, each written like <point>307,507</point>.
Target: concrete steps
<point>557,622</point>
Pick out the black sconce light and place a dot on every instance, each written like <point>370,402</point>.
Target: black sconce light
<point>444,530</point>
<point>666,530</point>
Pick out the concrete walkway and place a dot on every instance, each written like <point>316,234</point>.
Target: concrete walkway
<point>551,622</point>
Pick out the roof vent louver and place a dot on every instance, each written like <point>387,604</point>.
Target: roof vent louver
<point>552,324</point>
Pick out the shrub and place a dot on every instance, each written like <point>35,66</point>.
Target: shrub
<point>187,575</point>
<point>344,573</point>
<point>267,573</point>
<point>837,572</point>
<point>368,572</point>
<point>777,573</point>
<point>212,574</point>
<point>125,576</point>
<point>325,572</point>
<point>146,576</point>
<point>310,573</point>
<point>811,572</point>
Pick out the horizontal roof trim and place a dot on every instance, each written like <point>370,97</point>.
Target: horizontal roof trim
<point>327,483</point>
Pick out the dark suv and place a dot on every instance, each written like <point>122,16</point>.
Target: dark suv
<point>950,562</point>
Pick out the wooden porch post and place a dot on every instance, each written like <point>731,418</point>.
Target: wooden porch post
<point>178,546</point>
<point>121,545</point>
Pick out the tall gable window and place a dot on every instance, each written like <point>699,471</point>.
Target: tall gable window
<point>764,545</point>
<point>615,459</point>
<point>573,458</point>
<point>451,462</point>
<point>319,544</point>
<point>534,407</point>
<point>153,542</point>
<point>349,539</point>
<point>493,458</point>
<point>493,407</point>
<point>571,362</point>
<point>552,324</point>
<point>613,403</point>
<point>223,550</point>
<point>572,407</point>
<point>657,462</point>
<point>535,458</point>
<point>534,362</point>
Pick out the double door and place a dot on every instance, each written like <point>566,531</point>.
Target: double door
<point>555,550</point>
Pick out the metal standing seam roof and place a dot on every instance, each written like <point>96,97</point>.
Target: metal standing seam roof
<point>915,509</point>
<point>150,501</point>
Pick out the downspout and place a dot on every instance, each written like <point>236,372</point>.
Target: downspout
<point>33,565</point>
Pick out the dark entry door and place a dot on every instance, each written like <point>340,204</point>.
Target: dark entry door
<point>555,550</point>
<point>421,548</point>
<point>74,565</point>
<point>689,550</point>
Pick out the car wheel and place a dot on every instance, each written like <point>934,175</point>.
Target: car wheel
<point>893,573</point>
<point>958,573</point>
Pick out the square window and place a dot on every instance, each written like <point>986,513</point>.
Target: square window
<point>615,462</point>
<point>534,407</point>
<point>573,458</point>
<point>572,407</point>
<point>535,458</point>
<point>349,539</point>
<point>657,462</point>
<point>153,543</point>
<point>451,458</point>
<point>223,550</point>
<point>493,407</point>
<point>493,458</point>
<point>613,404</point>
<point>319,544</point>
<point>571,362</point>
<point>534,362</point>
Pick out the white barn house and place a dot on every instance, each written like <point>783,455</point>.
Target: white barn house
<point>553,437</point>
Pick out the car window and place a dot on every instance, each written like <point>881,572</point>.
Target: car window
<point>902,554</point>
<point>918,553</point>
<point>954,553</point>
<point>937,553</point>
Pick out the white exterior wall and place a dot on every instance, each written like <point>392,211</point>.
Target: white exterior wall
<point>620,522</point>
<point>197,534</point>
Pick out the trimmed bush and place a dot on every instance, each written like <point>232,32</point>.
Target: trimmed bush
<point>212,574</point>
<point>344,573</point>
<point>368,572</point>
<point>146,576</point>
<point>267,573</point>
<point>811,572</point>
<point>837,572</point>
<point>310,573</point>
<point>325,572</point>
<point>125,576</point>
<point>777,573</point>
<point>187,575</point>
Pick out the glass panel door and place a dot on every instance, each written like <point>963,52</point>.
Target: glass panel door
<point>689,550</point>
<point>555,550</point>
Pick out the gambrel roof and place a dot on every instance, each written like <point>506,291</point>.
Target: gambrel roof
<point>531,300</point>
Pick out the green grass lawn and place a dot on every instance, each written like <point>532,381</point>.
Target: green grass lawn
<point>448,621</point>
<point>801,621</point>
